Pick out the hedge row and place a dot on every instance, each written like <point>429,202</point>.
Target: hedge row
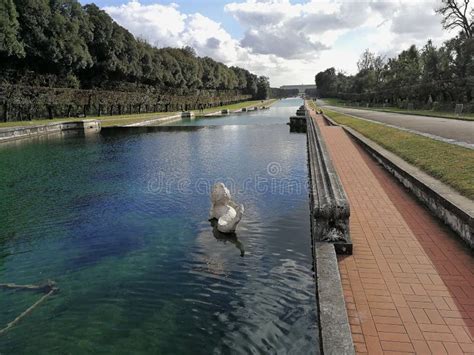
<point>28,103</point>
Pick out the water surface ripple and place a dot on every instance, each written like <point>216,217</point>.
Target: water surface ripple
<point>119,221</point>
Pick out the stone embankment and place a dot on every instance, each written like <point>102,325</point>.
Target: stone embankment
<point>330,209</point>
<point>330,213</point>
<point>86,126</point>
<point>191,115</point>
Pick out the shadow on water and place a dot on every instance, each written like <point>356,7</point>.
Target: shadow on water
<point>53,138</point>
<point>227,237</point>
<point>120,131</point>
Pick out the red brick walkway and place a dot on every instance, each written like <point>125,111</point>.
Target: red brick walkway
<point>409,286</point>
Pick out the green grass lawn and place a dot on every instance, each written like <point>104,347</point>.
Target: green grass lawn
<point>134,118</point>
<point>442,114</point>
<point>105,120</point>
<point>446,162</point>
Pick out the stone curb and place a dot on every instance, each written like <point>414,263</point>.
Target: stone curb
<point>178,117</point>
<point>335,332</point>
<point>329,205</point>
<point>15,133</point>
<point>444,202</point>
<point>155,120</point>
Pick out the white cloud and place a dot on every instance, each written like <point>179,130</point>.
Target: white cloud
<point>161,25</point>
<point>284,45</point>
<point>288,30</point>
<point>289,42</point>
<point>165,25</point>
<point>209,39</point>
<point>262,13</point>
<point>410,23</point>
<point>418,20</point>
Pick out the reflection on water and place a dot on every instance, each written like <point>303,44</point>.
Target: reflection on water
<point>277,114</point>
<point>227,237</point>
<point>120,223</point>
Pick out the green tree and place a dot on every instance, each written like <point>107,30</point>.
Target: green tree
<point>69,30</point>
<point>263,88</point>
<point>326,82</point>
<point>251,84</point>
<point>64,44</point>
<point>34,17</point>
<point>10,43</point>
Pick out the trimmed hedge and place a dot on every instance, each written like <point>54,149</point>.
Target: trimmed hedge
<point>28,103</point>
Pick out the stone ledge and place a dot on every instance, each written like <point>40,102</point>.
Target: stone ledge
<point>330,209</point>
<point>187,114</point>
<point>335,332</point>
<point>31,131</point>
<point>155,121</point>
<point>444,202</point>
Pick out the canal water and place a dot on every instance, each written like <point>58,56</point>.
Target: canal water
<point>119,221</point>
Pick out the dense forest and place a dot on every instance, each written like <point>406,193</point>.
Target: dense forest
<point>431,77</point>
<point>80,49</point>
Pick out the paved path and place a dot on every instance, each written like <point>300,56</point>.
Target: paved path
<point>456,130</point>
<point>409,286</point>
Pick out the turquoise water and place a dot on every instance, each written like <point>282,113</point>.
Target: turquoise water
<point>119,221</point>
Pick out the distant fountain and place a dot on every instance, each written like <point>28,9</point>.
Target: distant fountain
<point>227,213</point>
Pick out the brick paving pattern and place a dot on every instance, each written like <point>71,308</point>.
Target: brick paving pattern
<point>409,286</point>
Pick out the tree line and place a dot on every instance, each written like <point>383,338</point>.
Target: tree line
<point>277,93</point>
<point>61,44</point>
<point>431,77</point>
<point>27,102</point>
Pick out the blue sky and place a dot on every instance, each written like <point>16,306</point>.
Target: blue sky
<point>288,41</point>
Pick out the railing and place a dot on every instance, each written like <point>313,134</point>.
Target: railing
<point>329,205</point>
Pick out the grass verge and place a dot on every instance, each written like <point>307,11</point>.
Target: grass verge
<point>448,163</point>
<point>134,118</point>
<point>105,120</point>
<point>236,106</point>
<point>441,114</point>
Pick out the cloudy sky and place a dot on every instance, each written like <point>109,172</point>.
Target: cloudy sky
<point>286,40</point>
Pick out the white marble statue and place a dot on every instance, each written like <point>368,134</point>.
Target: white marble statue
<point>226,211</point>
